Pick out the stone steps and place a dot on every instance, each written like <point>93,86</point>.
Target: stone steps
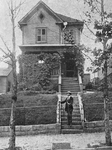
<point>72,127</point>
<point>70,84</point>
<point>71,131</point>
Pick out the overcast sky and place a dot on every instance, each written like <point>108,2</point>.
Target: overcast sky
<point>72,8</point>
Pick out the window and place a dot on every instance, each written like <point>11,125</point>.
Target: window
<point>41,35</point>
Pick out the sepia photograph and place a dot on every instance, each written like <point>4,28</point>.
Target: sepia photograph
<point>55,75</point>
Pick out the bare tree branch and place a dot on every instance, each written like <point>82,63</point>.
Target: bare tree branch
<point>88,36</point>
<point>5,45</point>
<point>88,57</point>
<point>89,28</point>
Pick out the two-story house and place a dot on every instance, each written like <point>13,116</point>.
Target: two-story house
<point>42,31</point>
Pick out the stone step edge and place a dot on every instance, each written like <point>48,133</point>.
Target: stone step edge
<point>98,148</point>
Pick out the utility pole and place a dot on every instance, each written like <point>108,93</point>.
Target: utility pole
<point>105,92</point>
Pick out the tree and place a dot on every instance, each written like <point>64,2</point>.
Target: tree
<point>103,32</point>
<point>11,54</point>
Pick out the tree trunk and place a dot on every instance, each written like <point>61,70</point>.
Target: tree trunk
<point>13,109</point>
<point>106,99</point>
<point>106,107</point>
<point>14,86</point>
<point>12,127</point>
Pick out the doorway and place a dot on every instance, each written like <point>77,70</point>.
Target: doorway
<point>71,69</point>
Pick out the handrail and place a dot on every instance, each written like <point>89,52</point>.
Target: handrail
<point>80,82</point>
<point>81,108</point>
<point>59,109</point>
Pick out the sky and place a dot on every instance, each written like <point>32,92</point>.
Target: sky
<point>71,8</point>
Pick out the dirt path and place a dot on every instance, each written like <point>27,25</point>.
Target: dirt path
<point>43,142</point>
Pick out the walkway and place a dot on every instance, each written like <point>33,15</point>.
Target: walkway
<point>44,142</point>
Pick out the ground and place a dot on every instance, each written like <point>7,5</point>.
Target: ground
<point>44,142</point>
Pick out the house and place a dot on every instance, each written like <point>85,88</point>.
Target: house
<point>5,80</point>
<point>43,31</point>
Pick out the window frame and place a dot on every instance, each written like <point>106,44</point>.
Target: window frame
<point>36,36</point>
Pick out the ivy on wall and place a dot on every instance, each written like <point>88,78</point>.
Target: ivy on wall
<point>37,68</point>
<point>75,51</point>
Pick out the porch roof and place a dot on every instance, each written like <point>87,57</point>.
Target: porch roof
<point>44,47</point>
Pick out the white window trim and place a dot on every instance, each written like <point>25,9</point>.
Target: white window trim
<point>41,34</point>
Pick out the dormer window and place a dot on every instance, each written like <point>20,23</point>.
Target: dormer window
<point>41,35</point>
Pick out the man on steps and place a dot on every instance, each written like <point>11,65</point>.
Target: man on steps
<point>69,107</point>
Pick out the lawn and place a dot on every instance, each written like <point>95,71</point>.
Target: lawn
<point>94,106</point>
<point>31,109</point>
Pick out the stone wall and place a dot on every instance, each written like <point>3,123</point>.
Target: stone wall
<point>95,126</point>
<point>32,129</point>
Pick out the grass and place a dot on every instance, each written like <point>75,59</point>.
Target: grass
<point>94,106</point>
<point>33,109</point>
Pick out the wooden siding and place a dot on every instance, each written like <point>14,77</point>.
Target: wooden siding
<point>29,31</point>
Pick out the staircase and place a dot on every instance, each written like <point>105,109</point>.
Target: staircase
<point>76,119</point>
<point>70,84</point>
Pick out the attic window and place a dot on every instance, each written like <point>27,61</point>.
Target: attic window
<point>41,16</point>
<point>40,35</point>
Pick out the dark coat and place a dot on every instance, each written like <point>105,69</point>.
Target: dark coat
<point>68,104</point>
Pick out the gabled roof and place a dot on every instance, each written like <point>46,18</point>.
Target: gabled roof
<point>5,72</point>
<point>68,19</point>
<point>59,18</point>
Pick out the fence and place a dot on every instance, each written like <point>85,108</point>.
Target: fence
<point>95,111</point>
<point>30,115</point>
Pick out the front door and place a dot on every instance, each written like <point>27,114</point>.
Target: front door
<point>71,69</point>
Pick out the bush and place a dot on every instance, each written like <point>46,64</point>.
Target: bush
<point>89,86</point>
<point>51,87</point>
<point>21,86</point>
<point>36,87</point>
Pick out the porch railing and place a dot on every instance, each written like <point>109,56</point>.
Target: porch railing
<point>55,72</point>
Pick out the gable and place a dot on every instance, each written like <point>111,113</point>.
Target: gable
<point>35,9</point>
<point>58,17</point>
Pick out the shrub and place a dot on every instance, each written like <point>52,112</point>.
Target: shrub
<point>36,87</point>
<point>21,86</point>
<point>89,86</point>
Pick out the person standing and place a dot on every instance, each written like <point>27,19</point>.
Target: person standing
<point>69,107</point>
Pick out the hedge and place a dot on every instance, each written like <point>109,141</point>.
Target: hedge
<point>94,106</point>
<point>35,109</point>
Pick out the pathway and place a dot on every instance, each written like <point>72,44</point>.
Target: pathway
<point>44,142</point>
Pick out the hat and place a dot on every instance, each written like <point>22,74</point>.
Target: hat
<point>69,92</point>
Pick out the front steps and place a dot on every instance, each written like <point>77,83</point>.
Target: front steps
<point>70,84</point>
<point>76,119</point>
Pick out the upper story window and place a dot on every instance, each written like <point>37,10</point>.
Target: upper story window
<point>41,35</point>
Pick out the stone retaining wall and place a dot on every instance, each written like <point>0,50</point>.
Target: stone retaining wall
<point>95,126</point>
<point>32,129</point>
